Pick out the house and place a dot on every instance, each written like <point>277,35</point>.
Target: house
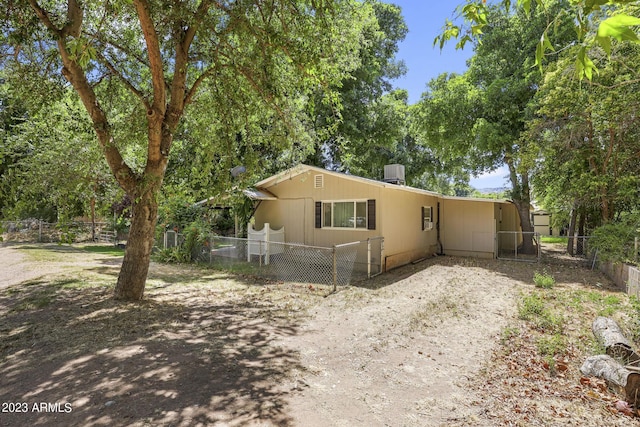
<point>319,207</point>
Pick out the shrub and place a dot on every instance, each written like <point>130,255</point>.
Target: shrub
<point>196,237</point>
<point>615,241</point>
<point>543,280</point>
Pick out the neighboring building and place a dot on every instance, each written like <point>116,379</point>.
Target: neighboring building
<point>541,221</point>
<point>323,208</point>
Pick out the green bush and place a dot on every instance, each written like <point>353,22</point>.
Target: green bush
<point>171,255</point>
<point>543,280</point>
<point>531,306</point>
<point>615,241</point>
<point>196,237</point>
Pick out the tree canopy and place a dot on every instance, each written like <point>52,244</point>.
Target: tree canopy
<point>138,66</point>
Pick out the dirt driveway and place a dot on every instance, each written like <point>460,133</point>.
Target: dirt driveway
<point>401,355</point>
<point>206,348</point>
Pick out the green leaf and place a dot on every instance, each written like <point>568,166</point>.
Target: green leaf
<point>592,5</point>
<point>539,54</point>
<point>477,29</point>
<point>605,43</point>
<point>541,47</point>
<point>617,27</point>
<point>584,65</point>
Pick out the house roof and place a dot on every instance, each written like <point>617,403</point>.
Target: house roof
<point>302,169</point>
<point>259,194</point>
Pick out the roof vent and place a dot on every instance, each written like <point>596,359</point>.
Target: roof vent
<point>394,174</point>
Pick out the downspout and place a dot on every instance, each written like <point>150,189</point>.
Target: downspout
<point>440,248</point>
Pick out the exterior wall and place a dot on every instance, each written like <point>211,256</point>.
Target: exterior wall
<point>508,219</point>
<point>289,214</point>
<point>296,206</point>
<point>541,224</point>
<point>398,215</point>
<point>404,239</point>
<point>468,227</point>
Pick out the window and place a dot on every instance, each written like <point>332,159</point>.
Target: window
<point>358,214</point>
<point>427,218</point>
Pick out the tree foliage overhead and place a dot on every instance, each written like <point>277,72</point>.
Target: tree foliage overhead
<point>371,123</point>
<point>477,121</point>
<point>617,24</point>
<point>587,137</point>
<point>137,65</point>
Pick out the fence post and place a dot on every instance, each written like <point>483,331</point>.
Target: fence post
<point>40,231</point>
<point>335,268</point>
<point>635,252</point>
<point>515,243</point>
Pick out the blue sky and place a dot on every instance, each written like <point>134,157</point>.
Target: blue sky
<point>425,62</point>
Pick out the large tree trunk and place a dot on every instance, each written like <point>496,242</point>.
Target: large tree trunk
<point>137,255</point>
<point>528,245</point>
<point>522,199</point>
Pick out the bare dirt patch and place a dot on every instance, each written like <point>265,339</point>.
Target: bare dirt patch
<point>424,345</point>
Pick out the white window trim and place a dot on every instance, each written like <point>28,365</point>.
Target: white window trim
<point>354,201</point>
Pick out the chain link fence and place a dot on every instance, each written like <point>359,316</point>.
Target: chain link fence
<point>34,230</point>
<point>337,265</point>
<point>579,246</point>
<point>518,246</point>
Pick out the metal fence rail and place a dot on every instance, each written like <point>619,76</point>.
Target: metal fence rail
<point>34,230</point>
<point>337,265</point>
<point>518,246</point>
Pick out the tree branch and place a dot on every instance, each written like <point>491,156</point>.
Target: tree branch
<point>125,81</point>
<point>617,85</point>
<point>74,19</point>
<point>156,67</point>
<point>75,75</point>
<point>126,51</point>
<point>43,16</point>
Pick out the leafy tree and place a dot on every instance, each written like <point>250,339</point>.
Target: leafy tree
<point>57,172</point>
<point>371,123</point>
<point>481,117</point>
<point>611,17</point>
<point>587,136</point>
<point>150,59</point>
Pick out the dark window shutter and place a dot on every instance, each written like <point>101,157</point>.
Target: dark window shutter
<point>318,214</point>
<point>371,214</point>
<point>423,208</point>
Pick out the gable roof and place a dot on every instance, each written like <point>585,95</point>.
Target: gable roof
<point>301,169</point>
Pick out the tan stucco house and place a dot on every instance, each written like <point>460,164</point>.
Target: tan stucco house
<point>323,208</point>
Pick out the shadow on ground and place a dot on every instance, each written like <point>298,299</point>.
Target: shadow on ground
<point>195,361</point>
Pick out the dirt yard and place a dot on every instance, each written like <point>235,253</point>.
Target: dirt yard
<point>437,343</point>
